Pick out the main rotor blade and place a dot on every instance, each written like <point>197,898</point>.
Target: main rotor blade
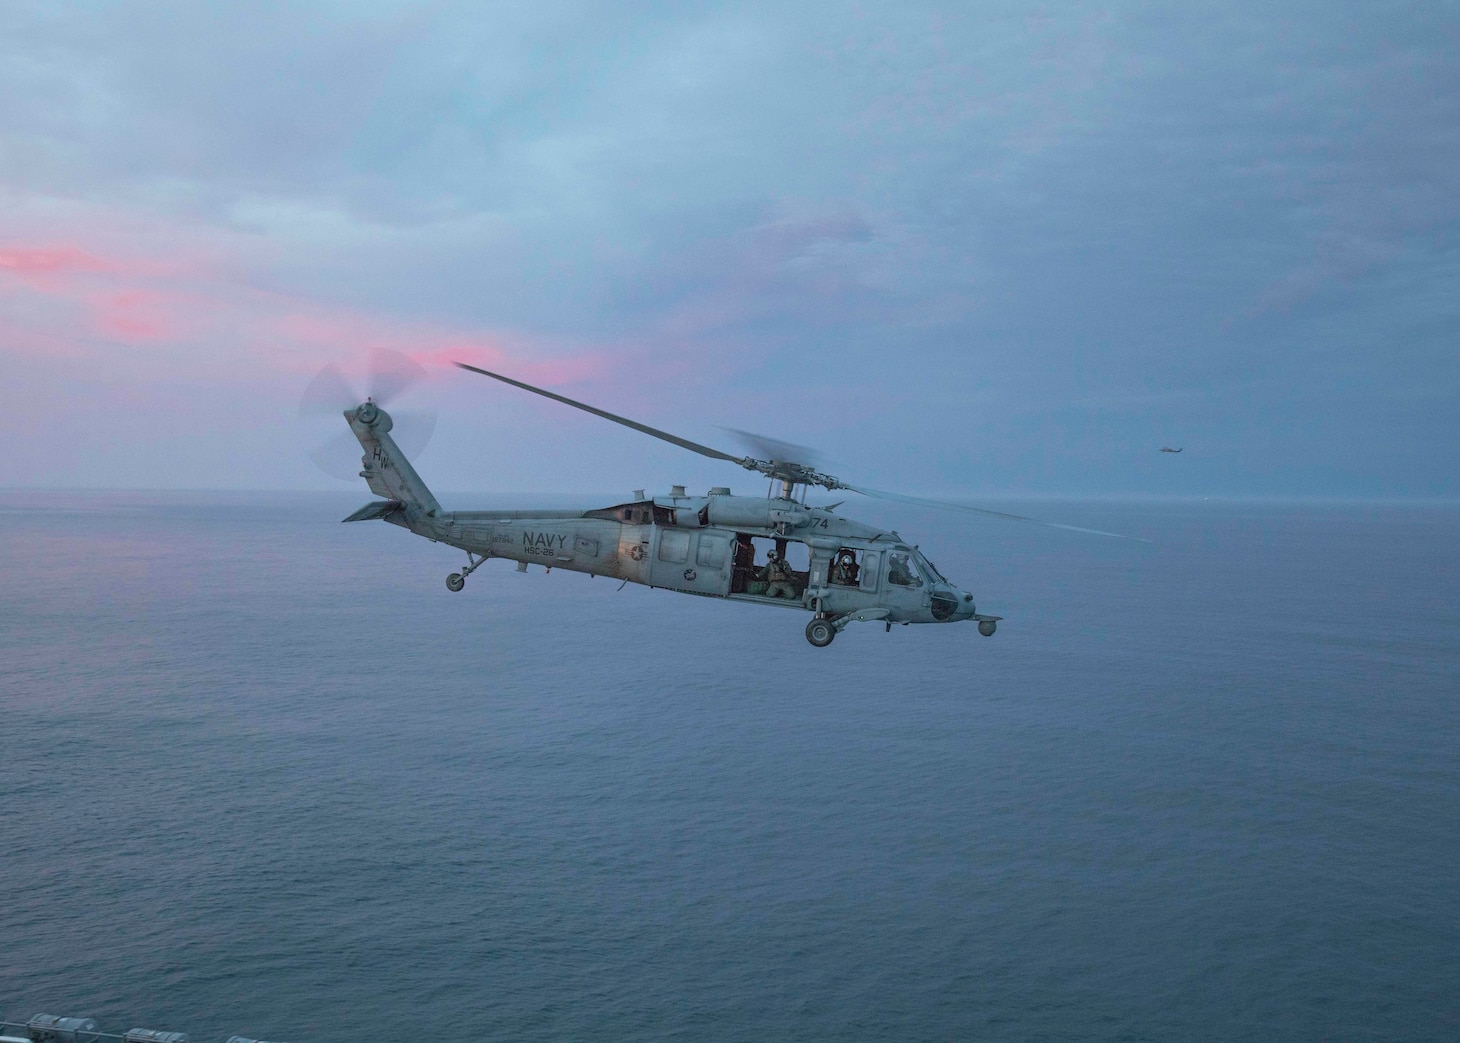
<point>683,443</point>
<point>945,505</point>
<point>775,449</point>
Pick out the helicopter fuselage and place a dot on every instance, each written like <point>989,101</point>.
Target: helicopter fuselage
<point>714,546</point>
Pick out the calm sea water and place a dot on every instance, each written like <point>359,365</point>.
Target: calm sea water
<point>262,773</point>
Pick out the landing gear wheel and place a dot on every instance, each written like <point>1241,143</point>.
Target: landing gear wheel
<point>455,582</point>
<point>820,632</point>
<point>986,627</point>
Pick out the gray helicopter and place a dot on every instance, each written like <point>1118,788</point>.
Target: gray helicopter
<point>774,550</point>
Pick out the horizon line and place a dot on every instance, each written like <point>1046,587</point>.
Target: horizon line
<point>1416,499</point>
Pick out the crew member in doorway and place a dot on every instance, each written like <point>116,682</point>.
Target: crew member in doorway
<point>844,570</point>
<point>778,572</point>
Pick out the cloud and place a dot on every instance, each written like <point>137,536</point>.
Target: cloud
<point>38,263</point>
<point>815,217</point>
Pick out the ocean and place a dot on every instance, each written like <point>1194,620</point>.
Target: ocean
<point>261,773</point>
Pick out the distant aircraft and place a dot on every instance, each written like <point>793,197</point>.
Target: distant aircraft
<point>1168,449</point>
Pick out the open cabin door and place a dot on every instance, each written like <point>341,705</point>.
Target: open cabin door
<point>683,559</point>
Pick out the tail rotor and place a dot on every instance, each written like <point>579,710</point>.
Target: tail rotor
<point>389,377</point>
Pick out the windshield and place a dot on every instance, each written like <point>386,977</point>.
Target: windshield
<point>931,569</point>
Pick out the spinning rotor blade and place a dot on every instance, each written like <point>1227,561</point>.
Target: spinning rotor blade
<point>653,432</point>
<point>412,430</point>
<point>776,450</point>
<point>785,461</point>
<point>339,457</point>
<point>946,505</point>
<point>328,394</point>
<point>392,374</point>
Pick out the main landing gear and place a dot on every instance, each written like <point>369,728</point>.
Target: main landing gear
<point>820,632</point>
<point>457,580</point>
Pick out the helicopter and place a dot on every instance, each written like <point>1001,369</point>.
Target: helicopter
<point>774,550</point>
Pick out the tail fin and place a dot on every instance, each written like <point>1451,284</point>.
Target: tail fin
<point>384,467</point>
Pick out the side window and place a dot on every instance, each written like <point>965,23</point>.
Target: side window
<point>871,565</point>
<point>712,552</point>
<point>900,570</point>
<point>673,545</point>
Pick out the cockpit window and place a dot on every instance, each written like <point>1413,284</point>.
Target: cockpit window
<point>931,568</point>
<point>901,571</point>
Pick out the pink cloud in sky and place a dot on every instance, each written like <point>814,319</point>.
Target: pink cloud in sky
<point>350,334</point>
<point>83,299</point>
<point>49,259</point>
<point>136,316</point>
<point>197,319</point>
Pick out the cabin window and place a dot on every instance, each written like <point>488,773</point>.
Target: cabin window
<point>712,552</point>
<point>673,546</point>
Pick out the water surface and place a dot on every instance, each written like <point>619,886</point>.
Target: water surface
<point>262,773</point>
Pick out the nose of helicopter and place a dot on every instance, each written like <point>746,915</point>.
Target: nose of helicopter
<point>966,608</point>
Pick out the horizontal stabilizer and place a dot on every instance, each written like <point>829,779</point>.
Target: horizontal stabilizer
<point>376,509</point>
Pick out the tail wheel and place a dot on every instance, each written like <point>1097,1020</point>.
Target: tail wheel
<point>820,632</point>
<point>455,582</point>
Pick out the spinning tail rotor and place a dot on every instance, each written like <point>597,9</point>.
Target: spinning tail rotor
<point>390,376</point>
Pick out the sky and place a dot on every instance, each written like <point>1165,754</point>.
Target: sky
<point>973,249</point>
